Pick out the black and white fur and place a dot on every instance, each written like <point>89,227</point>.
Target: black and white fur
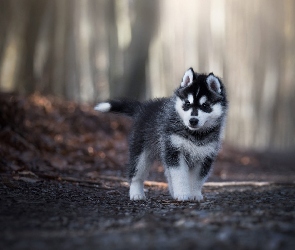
<point>183,132</point>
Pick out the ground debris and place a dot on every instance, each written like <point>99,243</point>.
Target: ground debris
<point>44,134</point>
<point>41,134</point>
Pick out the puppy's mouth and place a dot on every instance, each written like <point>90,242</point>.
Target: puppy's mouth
<point>196,127</point>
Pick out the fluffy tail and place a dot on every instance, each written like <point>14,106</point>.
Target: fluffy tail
<point>126,107</point>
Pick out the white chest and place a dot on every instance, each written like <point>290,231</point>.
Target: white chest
<point>195,151</point>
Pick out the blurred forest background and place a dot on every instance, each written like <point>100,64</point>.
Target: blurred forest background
<point>90,50</point>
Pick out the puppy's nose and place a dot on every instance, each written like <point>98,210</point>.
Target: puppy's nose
<point>194,121</point>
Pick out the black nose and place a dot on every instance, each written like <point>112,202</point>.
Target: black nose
<point>194,121</point>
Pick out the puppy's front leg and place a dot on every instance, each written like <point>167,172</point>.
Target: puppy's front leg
<point>198,177</point>
<point>196,184</point>
<point>180,181</point>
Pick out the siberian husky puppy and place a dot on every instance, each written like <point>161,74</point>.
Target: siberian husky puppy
<point>182,131</point>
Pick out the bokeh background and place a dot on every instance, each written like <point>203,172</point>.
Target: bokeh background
<point>91,50</point>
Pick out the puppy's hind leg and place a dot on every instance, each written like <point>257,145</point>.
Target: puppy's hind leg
<point>168,176</point>
<point>138,172</point>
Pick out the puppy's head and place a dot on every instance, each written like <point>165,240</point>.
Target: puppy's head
<point>200,100</point>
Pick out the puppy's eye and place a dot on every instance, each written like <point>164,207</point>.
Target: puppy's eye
<point>187,104</point>
<point>205,105</point>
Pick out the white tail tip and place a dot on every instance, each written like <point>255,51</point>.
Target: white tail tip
<point>103,107</point>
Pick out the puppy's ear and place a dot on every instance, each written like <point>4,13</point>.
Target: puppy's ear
<point>188,78</point>
<point>213,83</point>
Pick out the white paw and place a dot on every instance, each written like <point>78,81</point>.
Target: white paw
<point>197,197</point>
<point>182,197</point>
<point>136,191</point>
<point>137,197</point>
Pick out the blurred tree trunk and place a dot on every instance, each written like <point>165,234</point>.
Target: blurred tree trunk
<point>34,10</point>
<point>143,28</point>
<point>12,43</point>
<point>5,14</point>
<point>113,49</point>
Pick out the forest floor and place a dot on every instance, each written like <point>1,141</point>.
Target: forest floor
<point>62,186</point>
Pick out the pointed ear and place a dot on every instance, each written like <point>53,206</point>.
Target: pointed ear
<point>188,78</point>
<point>213,83</point>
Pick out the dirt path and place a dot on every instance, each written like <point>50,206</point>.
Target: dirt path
<point>63,215</point>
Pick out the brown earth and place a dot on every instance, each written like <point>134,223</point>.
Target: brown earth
<point>62,186</point>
